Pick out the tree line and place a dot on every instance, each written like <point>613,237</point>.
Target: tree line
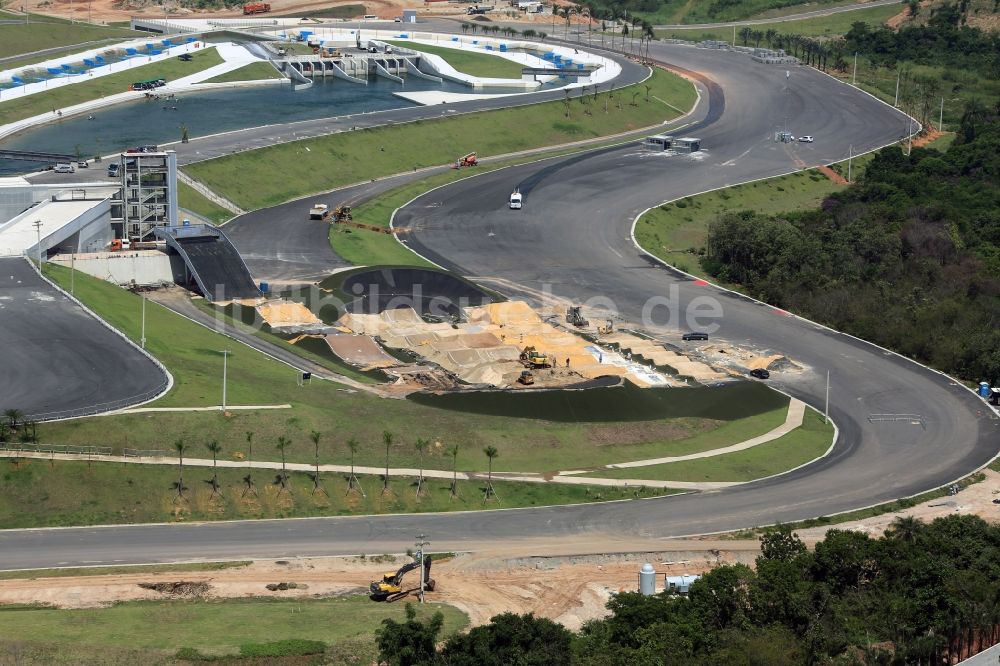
<point>908,258</point>
<point>920,594</point>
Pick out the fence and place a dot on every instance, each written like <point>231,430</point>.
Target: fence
<point>100,408</point>
<point>144,453</point>
<point>20,447</point>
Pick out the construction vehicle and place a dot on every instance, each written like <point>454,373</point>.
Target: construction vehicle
<point>342,213</point>
<point>477,10</point>
<point>534,359</point>
<point>526,378</point>
<point>390,587</point>
<point>319,211</point>
<point>469,160</point>
<point>256,8</point>
<point>607,329</point>
<point>575,317</point>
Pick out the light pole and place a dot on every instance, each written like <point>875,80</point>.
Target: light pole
<point>142,336</point>
<point>38,232</point>
<point>826,408</point>
<point>941,117</point>
<point>421,542</point>
<point>854,76</point>
<point>850,161</point>
<point>225,367</point>
<point>895,100</point>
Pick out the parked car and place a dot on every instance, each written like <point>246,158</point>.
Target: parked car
<point>113,170</point>
<point>806,139</point>
<point>82,164</point>
<point>64,168</point>
<point>760,373</point>
<point>687,337</point>
<point>397,20</point>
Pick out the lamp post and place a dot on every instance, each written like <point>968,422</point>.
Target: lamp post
<point>854,76</point>
<point>142,336</point>
<point>38,232</point>
<point>225,364</point>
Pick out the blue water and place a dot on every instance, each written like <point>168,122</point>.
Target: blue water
<point>209,112</point>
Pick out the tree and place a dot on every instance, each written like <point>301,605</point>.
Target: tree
<point>352,481</point>
<point>491,453</point>
<point>745,33</point>
<point>214,449</point>
<point>180,447</point>
<point>387,440</point>
<point>905,528</point>
<point>409,643</point>
<point>525,640</point>
<point>282,480</point>
<point>317,486</point>
<point>780,543</point>
<point>248,479</point>
<point>769,35</point>
<point>13,417</point>
<point>420,446</point>
<point>453,452</point>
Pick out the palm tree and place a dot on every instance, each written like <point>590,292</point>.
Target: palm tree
<point>13,417</point>
<point>315,437</point>
<point>387,440</point>
<point>180,447</point>
<point>282,444</point>
<point>453,452</point>
<point>491,453</point>
<point>745,33</point>
<point>905,528</point>
<point>420,446</point>
<point>214,448</point>
<point>248,479</point>
<point>757,36</point>
<point>769,36</point>
<point>465,28</point>
<point>352,481</point>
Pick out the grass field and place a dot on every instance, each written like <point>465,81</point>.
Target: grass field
<point>822,26</point>
<point>20,38</point>
<point>255,71</point>
<point>471,63</point>
<point>191,353</point>
<point>343,11</point>
<point>194,201</point>
<point>40,493</point>
<point>216,627</point>
<point>691,11</point>
<point>112,84</point>
<point>25,574</point>
<point>432,142</point>
<point>798,447</point>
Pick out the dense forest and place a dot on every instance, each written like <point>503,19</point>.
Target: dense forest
<point>919,594</point>
<point>908,258</point>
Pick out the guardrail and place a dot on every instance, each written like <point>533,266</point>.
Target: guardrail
<point>100,408</point>
<point>897,418</point>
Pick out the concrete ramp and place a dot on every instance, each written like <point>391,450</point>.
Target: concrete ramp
<point>339,72</point>
<point>413,70</point>
<point>383,72</point>
<point>212,262</point>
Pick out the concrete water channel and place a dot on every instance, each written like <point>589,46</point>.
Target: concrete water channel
<point>210,112</point>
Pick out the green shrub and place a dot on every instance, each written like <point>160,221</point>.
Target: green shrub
<point>291,647</point>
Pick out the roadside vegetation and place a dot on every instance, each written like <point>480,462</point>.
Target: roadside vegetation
<point>72,572</point>
<point>255,71</point>
<point>469,62</point>
<point>922,593</point>
<point>335,630</point>
<point>112,84</point>
<point>373,153</point>
<point>192,354</point>
<point>194,201</point>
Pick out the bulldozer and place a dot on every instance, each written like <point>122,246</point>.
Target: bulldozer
<point>342,213</point>
<point>526,378</point>
<point>469,160</point>
<point>607,329</point>
<point>534,359</point>
<point>390,587</point>
<point>575,317</point>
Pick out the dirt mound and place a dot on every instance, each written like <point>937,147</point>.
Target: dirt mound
<point>181,588</point>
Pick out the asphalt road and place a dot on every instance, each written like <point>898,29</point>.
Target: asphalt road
<point>574,236</point>
<point>55,357</point>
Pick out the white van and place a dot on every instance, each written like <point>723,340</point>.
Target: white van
<point>515,200</point>
<point>64,167</point>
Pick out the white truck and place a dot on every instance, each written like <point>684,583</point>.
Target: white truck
<point>319,211</point>
<point>515,200</point>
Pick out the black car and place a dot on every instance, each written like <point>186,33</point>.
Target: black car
<point>694,336</point>
<point>760,373</point>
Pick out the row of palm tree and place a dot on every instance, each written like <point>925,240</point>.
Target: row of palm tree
<point>181,448</point>
<point>15,422</point>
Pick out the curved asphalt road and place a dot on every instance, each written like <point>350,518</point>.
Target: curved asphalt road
<point>574,235</point>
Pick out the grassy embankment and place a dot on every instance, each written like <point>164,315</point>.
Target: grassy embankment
<point>473,63</point>
<point>670,12</point>
<point>112,571</point>
<point>21,38</point>
<point>194,201</point>
<point>342,11</point>
<point>112,84</point>
<point>152,632</point>
<point>303,164</point>
<point>798,447</point>
<point>255,71</point>
<point>191,353</point>
<point>821,26</point>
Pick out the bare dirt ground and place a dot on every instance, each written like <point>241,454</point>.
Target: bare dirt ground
<point>545,578</point>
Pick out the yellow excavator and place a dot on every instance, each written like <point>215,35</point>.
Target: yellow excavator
<point>390,587</point>
<point>532,358</point>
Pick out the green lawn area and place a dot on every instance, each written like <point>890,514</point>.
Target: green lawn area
<point>255,71</point>
<point>19,38</point>
<point>304,165</point>
<point>38,493</point>
<point>809,441</point>
<point>677,232</point>
<point>343,11</point>
<point>670,12</point>
<point>191,353</point>
<point>215,627</point>
<point>473,63</point>
<point>194,201</point>
<point>111,571</point>
<point>822,26</point>
<point>112,84</point>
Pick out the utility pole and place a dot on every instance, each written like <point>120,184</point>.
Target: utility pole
<point>826,408</point>
<point>37,224</point>
<point>225,364</point>
<point>734,36</point>
<point>72,274</point>
<point>941,117</point>
<point>421,542</point>
<point>142,336</point>
<point>854,76</point>
<point>895,100</point>
<point>850,161</point>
